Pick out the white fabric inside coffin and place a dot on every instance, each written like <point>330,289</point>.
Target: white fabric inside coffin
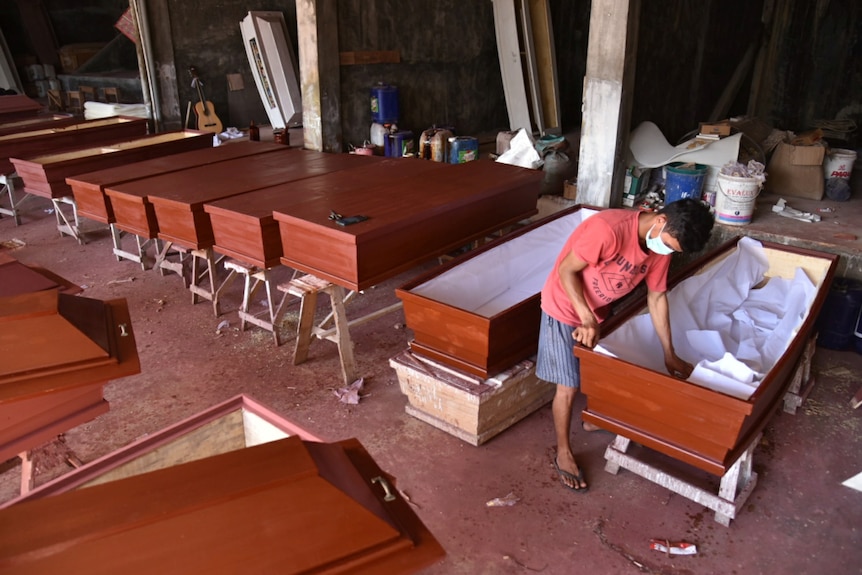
<point>506,275</point>
<point>725,321</point>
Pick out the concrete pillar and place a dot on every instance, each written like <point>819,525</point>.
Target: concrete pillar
<point>319,74</point>
<point>608,87</point>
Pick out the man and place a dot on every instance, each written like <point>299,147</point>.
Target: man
<point>605,258</point>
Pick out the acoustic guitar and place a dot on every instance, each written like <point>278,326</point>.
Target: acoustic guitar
<point>204,110</point>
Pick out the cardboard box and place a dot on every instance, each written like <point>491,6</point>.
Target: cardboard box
<point>796,171</point>
<point>634,187</point>
<point>717,128</point>
<point>570,189</point>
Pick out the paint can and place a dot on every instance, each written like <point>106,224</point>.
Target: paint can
<point>839,164</point>
<point>463,149</point>
<point>384,104</point>
<point>735,199</point>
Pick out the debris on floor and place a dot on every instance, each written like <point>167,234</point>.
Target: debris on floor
<point>350,394</point>
<point>506,501</point>
<point>673,548</point>
<point>782,209</point>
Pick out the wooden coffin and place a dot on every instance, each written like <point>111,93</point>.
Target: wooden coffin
<point>480,312</point>
<point>244,226</point>
<point>409,221</point>
<point>179,198</point>
<point>56,352</point>
<point>15,106</point>
<point>46,175</point>
<point>697,425</point>
<point>237,423</point>
<point>286,506</point>
<point>89,189</point>
<point>84,134</point>
<point>38,123</point>
<point>17,278</point>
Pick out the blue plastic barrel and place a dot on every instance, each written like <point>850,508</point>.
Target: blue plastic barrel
<point>683,181</point>
<point>836,324</point>
<point>384,104</point>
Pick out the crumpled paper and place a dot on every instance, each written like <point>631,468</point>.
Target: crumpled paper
<point>782,209</point>
<point>350,394</point>
<point>522,152</point>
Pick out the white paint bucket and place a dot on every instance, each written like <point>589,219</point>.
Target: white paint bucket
<point>839,163</point>
<point>735,199</point>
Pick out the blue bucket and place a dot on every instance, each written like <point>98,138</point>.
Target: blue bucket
<point>837,323</point>
<point>683,181</point>
<point>384,104</point>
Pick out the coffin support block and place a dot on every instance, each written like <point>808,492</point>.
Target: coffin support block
<point>468,407</point>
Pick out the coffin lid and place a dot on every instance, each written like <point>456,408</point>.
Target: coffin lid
<point>46,334</point>
<point>287,506</point>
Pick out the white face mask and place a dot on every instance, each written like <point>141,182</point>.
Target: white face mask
<point>656,244</point>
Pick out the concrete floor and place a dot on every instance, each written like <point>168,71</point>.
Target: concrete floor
<point>799,519</point>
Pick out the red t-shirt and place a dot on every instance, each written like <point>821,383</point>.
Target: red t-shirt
<point>608,242</point>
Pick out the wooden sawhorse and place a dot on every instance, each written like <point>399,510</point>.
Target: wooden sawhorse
<point>64,225</point>
<point>142,255</point>
<point>306,288</point>
<point>253,278</point>
<point>8,184</point>
<point>195,281</point>
<point>736,484</point>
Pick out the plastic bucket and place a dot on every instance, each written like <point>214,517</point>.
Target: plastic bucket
<point>837,323</point>
<point>839,164</point>
<point>683,181</point>
<point>735,199</point>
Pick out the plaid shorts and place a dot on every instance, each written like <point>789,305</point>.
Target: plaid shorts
<point>555,361</point>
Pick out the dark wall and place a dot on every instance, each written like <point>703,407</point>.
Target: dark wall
<point>687,54</point>
<point>448,75</point>
<point>571,23</point>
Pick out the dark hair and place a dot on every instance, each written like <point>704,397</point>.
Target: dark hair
<point>690,222</point>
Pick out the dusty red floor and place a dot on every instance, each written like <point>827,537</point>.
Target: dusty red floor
<point>800,519</point>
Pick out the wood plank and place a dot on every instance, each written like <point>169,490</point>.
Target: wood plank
<point>509,53</point>
<point>370,57</point>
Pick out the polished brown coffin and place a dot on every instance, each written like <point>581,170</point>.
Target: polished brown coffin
<point>237,423</point>
<point>178,199</point>
<point>15,106</point>
<point>694,424</point>
<point>38,123</point>
<point>130,201</point>
<point>286,506</point>
<point>46,175</point>
<point>89,189</point>
<point>85,134</point>
<point>56,353</point>
<point>244,226</point>
<point>480,312</point>
<point>17,278</point>
<point>409,221</point>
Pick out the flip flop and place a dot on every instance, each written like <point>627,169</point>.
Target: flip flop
<point>575,479</point>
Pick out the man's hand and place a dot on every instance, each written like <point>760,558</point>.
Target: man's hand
<point>587,334</point>
<point>678,367</point>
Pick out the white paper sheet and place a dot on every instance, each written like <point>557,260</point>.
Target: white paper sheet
<point>731,330</point>
<point>650,149</point>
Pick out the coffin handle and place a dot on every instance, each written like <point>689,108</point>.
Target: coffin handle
<point>389,496</point>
